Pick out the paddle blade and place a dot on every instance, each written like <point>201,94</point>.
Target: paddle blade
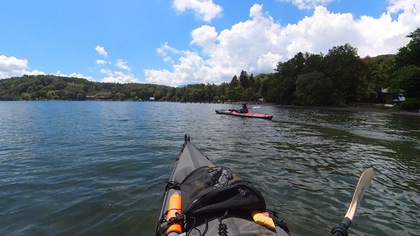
<point>361,187</point>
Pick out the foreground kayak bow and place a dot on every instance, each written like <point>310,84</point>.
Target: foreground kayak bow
<point>203,199</point>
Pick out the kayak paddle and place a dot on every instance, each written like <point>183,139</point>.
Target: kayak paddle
<point>364,181</point>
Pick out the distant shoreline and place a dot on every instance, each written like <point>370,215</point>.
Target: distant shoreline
<point>357,107</point>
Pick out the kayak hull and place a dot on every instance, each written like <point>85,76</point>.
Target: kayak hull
<point>248,114</point>
<point>188,161</point>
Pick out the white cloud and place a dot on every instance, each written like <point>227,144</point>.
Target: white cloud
<point>12,66</point>
<point>406,5</point>
<point>74,75</point>
<point>250,45</point>
<point>112,76</point>
<point>122,65</point>
<point>190,69</point>
<point>307,4</point>
<point>320,32</point>
<point>118,77</point>
<point>204,9</point>
<point>372,36</point>
<point>78,75</point>
<point>258,44</point>
<point>165,50</point>
<point>101,51</point>
<point>246,43</point>
<point>205,37</point>
<point>101,62</point>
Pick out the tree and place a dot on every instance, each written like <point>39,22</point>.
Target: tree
<point>410,54</point>
<point>234,82</point>
<point>293,67</point>
<point>406,76</point>
<point>269,84</point>
<point>346,69</point>
<point>80,97</point>
<point>285,88</point>
<point>312,62</point>
<point>244,80</point>
<point>314,88</point>
<point>252,82</point>
<point>407,80</point>
<point>286,78</point>
<point>378,77</point>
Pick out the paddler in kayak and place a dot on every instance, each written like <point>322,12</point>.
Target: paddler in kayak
<point>243,109</point>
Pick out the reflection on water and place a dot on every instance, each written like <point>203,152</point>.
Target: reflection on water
<point>98,168</point>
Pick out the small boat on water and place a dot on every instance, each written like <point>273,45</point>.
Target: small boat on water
<point>248,114</point>
<point>203,199</point>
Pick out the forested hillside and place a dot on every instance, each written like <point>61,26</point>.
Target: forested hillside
<point>338,78</point>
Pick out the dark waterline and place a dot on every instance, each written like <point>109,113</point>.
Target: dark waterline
<point>98,168</point>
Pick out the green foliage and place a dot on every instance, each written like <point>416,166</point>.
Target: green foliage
<point>50,87</point>
<point>347,70</point>
<point>269,87</point>
<point>410,104</point>
<point>410,54</point>
<point>378,77</point>
<point>407,79</point>
<point>406,73</point>
<point>314,88</point>
<point>244,80</point>
<point>234,82</point>
<point>289,72</point>
<point>285,88</point>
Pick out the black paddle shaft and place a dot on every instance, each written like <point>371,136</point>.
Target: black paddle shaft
<point>341,229</point>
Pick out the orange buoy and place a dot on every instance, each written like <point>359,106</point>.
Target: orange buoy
<point>174,209</point>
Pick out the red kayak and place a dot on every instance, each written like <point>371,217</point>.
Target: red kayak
<point>248,114</point>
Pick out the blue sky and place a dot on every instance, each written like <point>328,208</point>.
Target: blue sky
<point>178,42</point>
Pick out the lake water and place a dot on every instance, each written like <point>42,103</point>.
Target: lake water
<point>99,168</point>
